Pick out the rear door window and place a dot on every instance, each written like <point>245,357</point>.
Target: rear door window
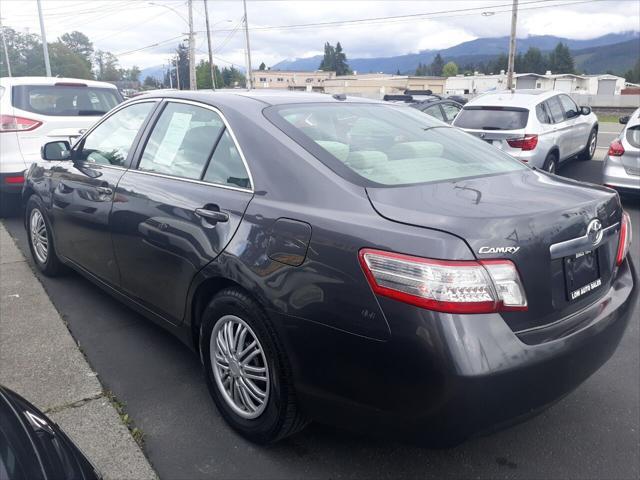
<point>555,110</point>
<point>543,114</point>
<point>226,166</point>
<point>450,110</point>
<point>65,100</point>
<point>492,118</point>
<point>435,112</point>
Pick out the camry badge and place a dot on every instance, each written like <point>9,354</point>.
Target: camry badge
<point>511,250</point>
<point>594,231</point>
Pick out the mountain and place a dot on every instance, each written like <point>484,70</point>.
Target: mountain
<point>595,53</point>
<point>156,72</point>
<point>618,57</point>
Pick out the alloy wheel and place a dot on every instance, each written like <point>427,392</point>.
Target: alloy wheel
<point>39,236</point>
<point>592,144</point>
<point>551,168</point>
<point>239,366</point>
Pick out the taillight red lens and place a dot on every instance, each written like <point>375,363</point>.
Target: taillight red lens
<point>616,149</point>
<point>14,179</point>
<point>10,123</point>
<point>444,285</point>
<point>624,242</point>
<point>526,143</point>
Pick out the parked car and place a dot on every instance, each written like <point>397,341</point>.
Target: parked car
<point>621,169</point>
<point>442,109</point>
<point>32,447</point>
<point>541,128</point>
<point>340,259</point>
<point>40,109</point>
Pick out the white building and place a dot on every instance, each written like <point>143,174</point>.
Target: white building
<point>570,83</point>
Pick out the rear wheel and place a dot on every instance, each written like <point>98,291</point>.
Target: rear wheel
<point>246,369</point>
<point>41,239</point>
<point>590,147</point>
<point>551,163</point>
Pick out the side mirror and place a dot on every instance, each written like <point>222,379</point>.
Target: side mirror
<point>54,151</point>
<point>624,119</point>
<point>585,110</point>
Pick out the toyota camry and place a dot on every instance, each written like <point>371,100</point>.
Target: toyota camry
<point>341,260</point>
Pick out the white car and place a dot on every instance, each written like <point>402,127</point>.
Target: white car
<point>36,110</point>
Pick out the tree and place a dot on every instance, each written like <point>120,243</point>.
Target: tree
<point>328,63</point>
<point>342,67</point>
<point>422,70</point>
<point>232,77</point>
<point>25,54</point>
<point>106,66</point>
<point>534,62</point>
<point>561,60</point>
<point>437,65</point>
<point>66,63</point>
<point>398,72</point>
<point>633,75</point>
<point>150,82</point>
<point>450,70</point>
<point>79,44</point>
<point>262,66</point>
<point>499,63</point>
<point>203,75</point>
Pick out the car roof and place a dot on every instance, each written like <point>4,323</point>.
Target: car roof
<point>266,97</point>
<point>516,98</point>
<point>11,81</point>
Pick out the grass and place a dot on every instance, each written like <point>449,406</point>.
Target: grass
<point>136,433</point>
<point>608,118</point>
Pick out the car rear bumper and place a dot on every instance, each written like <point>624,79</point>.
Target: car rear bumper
<point>615,175</point>
<point>11,182</point>
<point>446,376</point>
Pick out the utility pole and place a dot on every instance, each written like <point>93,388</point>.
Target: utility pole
<point>211,65</point>
<point>47,65</point>
<point>178,71</point>
<point>6,51</point>
<point>512,45</point>
<point>192,50</point>
<point>248,47</point>
<point>170,73</point>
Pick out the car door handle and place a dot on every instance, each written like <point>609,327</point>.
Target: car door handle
<point>214,215</point>
<point>104,190</point>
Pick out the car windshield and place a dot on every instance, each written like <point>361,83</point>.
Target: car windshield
<point>65,100</point>
<point>492,118</point>
<point>388,145</point>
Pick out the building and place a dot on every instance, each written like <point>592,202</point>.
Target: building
<point>290,80</point>
<point>377,85</point>
<point>565,82</point>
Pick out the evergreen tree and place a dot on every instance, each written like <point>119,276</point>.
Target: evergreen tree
<point>436,66</point>
<point>561,60</point>
<point>533,62</point>
<point>203,75</point>
<point>342,67</point>
<point>450,70</point>
<point>106,66</point>
<point>633,75</point>
<point>262,66</point>
<point>328,63</point>
<point>398,72</point>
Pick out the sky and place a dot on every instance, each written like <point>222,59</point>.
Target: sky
<point>145,33</point>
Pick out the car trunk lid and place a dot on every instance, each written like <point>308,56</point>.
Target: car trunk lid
<point>517,216</point>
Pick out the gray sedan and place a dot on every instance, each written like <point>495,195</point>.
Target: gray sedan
<point>622,163</point>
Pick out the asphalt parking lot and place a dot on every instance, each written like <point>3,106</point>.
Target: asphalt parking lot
<point>592,433</point>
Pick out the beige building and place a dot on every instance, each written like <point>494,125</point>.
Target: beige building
<point>377,85</point>
<point>282,79</point>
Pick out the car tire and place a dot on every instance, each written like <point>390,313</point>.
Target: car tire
<point>41,241</point>
<point>261,408</point>
<point>590,147</point>
<point>551,163</point>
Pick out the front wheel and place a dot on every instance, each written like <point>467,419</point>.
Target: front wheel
<point>41,239</point>
<point>246,369</point>
<point>590,148</point>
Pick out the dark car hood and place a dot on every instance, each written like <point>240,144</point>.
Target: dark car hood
<point>527,209</point>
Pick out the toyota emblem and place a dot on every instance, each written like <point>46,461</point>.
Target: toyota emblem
<point>594,231</point>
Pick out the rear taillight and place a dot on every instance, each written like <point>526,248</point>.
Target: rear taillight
<point>9,123</point>
<point>526,143</point>
<point>445,285</point>
<point>14,179</point>
<point>625,238</point>
<point>616,149</point>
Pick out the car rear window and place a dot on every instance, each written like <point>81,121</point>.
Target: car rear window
<point>388,145</point>
<point>65,100</point>
<point>633,136</point>
<point>492,118</point>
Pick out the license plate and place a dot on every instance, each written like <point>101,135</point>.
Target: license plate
<point>582,274</point>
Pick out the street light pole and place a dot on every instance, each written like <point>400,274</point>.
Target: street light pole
<point>192,50</point>
<point>211,65</point>
<point>248,47</point>
<point>47,65</point>
<point>6,51</point>
<point>512,45</point>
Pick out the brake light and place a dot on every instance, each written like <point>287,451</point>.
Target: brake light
<point>14,179</point>
<point>9,123</point>
<point>624,241</point>
<point>616,149</point>
<point>526,143</point>
<point>445,285</point>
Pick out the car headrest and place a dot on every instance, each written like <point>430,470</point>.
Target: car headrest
<point>363,159</point>
<point>415,150</point>
<point>337,149</point>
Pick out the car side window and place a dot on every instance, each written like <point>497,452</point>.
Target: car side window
<point>226,166</point>
<point>111,141</point>
<point>542,114</point>
<point>569,106</point>
<point>435,112</point>
<point>182,141</point>
<point>555,110</point>
<point>451,111</point>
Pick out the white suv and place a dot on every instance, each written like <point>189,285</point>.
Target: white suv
<point>36,110</point>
